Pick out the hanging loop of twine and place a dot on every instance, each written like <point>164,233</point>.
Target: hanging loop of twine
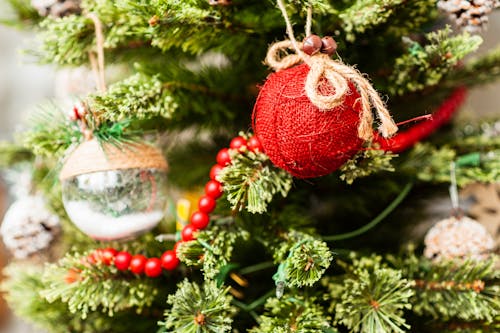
<point>337,74</point>
<point>98,64</point>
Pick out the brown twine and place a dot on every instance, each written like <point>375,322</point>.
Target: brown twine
<point>93,156</point>
<point>337,74</point>
<point>98,65</point>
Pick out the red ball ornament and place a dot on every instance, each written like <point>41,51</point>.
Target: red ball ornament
<point>238,142</point>
<point>223,157</point>
<point>206,204</point>
<point>213,189</point>
<point>298,136</point>
<point>152,268</point>
<point>137,264</point>
<point>169,260</point>
<point>122,260</point>
<point>200,220</point>
<point>188,233</point>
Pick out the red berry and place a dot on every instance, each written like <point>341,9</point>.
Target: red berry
<point>122,260</point>
<point>107,256</point>
<point>238,142</point>
<point>187,233</point>
<point>223,157</point>
<point>216,169</point>
<point>169,260</point>
<point>254,144</point>
<point>137,263</point>
<point>213,189</point>
<point>206,204</point>
<point>200,220</point>
<point>153,267</point>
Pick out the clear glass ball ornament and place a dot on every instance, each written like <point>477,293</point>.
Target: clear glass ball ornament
<point>114,192</point>
<point>115,204</point>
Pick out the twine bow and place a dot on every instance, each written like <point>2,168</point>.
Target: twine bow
<point>337,74</point>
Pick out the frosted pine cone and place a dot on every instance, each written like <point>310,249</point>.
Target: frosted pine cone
<point>57,8</point>
<point>469,15</point>
<point>454,238</point>
<point>28,227</point>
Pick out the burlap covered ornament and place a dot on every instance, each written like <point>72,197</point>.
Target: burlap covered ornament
<point>314,113</point>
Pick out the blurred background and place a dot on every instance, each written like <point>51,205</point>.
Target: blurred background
<point>23,85</point>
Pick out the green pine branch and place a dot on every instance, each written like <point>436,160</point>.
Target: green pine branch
<point>425,66</point>
<point>400,16</point>
<point>23,286</point>
<point>447,290</point>
<point>12,153</point>
<point>251,181</point>
<point>87,287</point>
<point>371,297</point>
<point>293,313</point>
<point>484,69</point>
<point>213,248</point>
<point>432,164</point>
<point>365,163</point>
<point>201,309</point>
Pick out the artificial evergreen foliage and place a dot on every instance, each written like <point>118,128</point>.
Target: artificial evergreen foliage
<point>279,254</point>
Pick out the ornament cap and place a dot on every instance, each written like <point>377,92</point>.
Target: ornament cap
<point>93,156</point>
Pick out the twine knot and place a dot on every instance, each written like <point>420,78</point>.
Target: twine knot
<point>338,75</point>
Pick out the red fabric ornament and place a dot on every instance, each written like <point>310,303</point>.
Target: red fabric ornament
<point>298,136</point>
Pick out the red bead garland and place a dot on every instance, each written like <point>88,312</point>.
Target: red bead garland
<point>137,264</point>
<point>199,220</point>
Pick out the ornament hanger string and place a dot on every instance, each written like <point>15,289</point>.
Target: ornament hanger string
<point>338,76</point>
<point>455,204</point>
<point>98,64</point>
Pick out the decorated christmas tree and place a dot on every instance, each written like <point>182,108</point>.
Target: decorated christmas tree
<point>255,166</point>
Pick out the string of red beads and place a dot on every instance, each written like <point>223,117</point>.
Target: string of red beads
<point>199,220</point>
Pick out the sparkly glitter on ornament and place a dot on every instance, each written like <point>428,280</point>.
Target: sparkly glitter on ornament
<point>114,192</point>
<point>458,238</point>
<point>28,227</point>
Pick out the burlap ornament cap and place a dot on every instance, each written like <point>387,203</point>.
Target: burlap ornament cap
<point>93,156</point>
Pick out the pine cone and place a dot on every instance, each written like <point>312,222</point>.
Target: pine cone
<point>469,15</point>
<point>28,227</point>
<point>57,8</point>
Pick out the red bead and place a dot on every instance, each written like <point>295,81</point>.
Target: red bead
<point>206,204</point>
<point>108,255</point>
<point>122,260</point>
<point>137,264</point>
<point>311,45</point>
<point>216,169</point>
<point>188,233</point>
<point>152,268</point>
<point>254,144</point>
<point>200,220</point>
<point>238,142</point>
<point>169,260</point>
<point>213,189</point>
<point>223,157</point>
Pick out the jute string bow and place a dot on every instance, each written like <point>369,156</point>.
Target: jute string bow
<point>337,74</point>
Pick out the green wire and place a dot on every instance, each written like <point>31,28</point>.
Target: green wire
<point>376,220</point>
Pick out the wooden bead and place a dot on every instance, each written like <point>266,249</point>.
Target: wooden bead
<point>311,45</point>
<point>328,45</point>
